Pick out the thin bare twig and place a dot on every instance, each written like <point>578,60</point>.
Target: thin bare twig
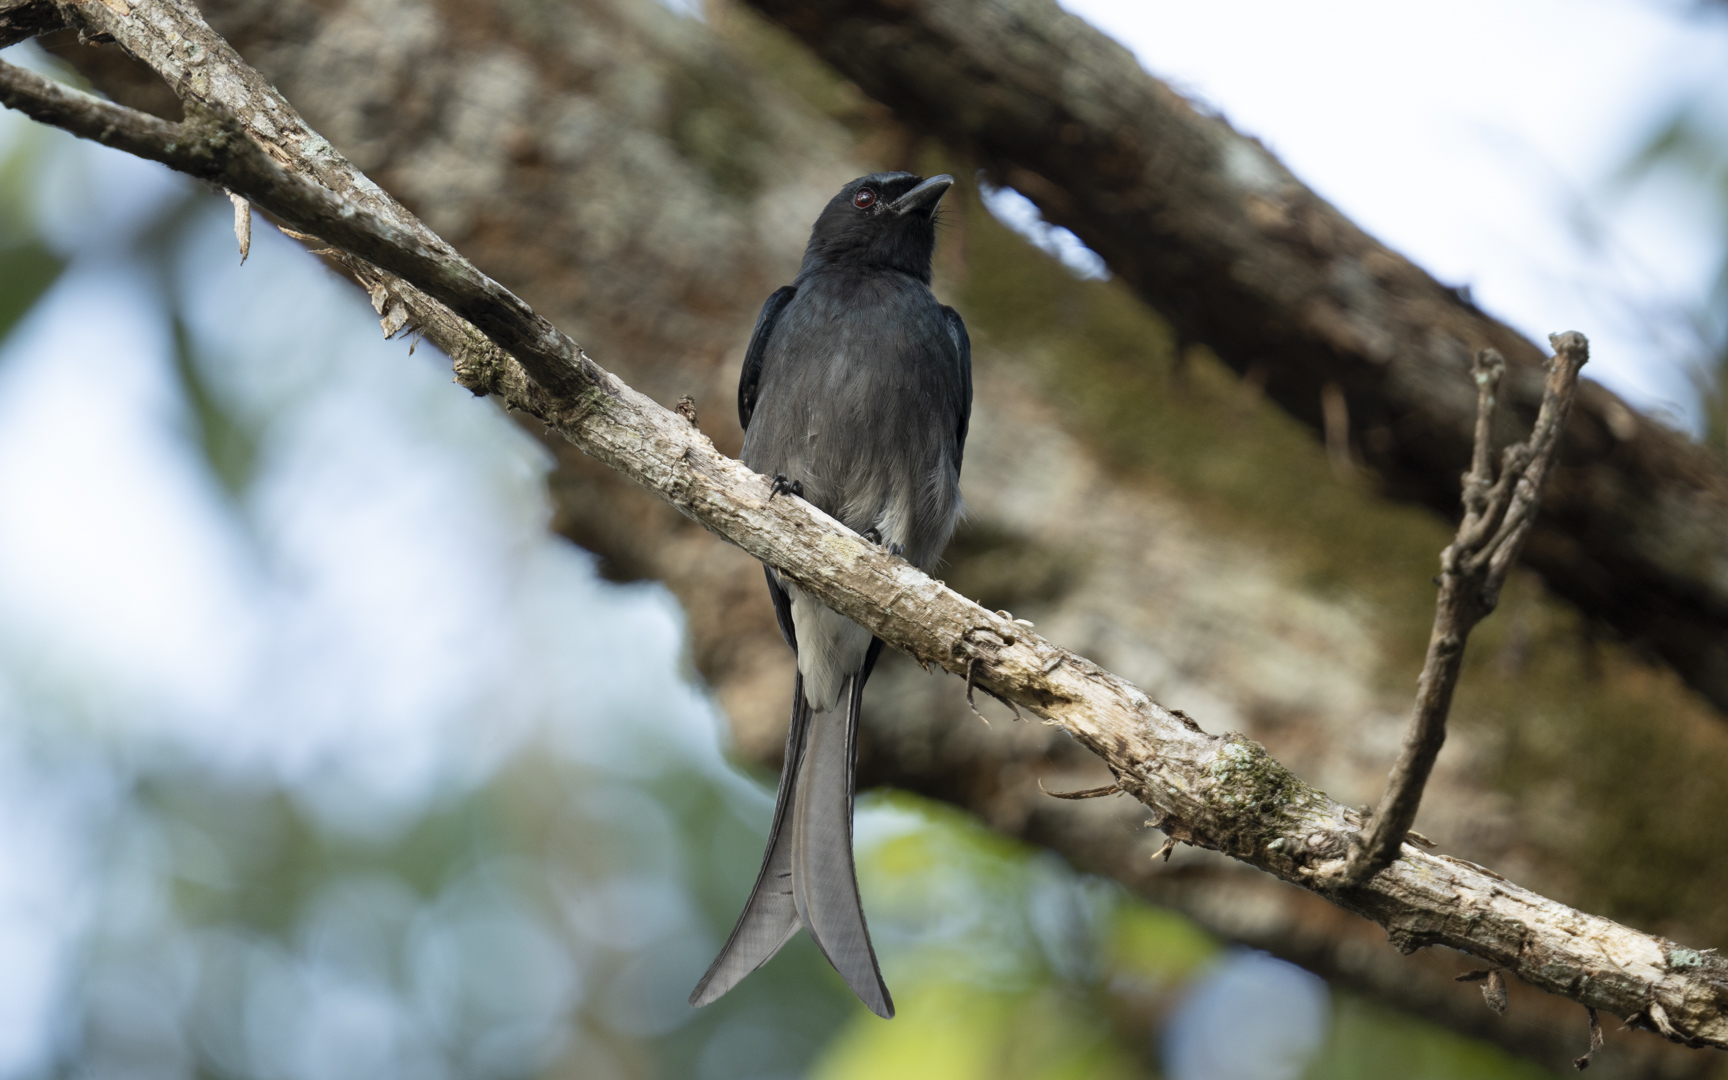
<point>1221,792</point>
<point>1494,992</point>
<point>1498,514</point>
<point>1088,793</point>
<point>1583,1062</point>
<point>242,225</point>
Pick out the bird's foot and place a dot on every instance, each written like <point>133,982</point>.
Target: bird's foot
<point>874,535</point>
<point>782,486</point>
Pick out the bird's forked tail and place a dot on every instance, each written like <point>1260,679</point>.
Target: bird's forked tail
<point>807,876</point>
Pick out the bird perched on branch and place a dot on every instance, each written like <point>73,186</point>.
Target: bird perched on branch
<point>856,393</point>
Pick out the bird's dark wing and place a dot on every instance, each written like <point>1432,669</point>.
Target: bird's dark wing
<point>752,373</point>
<point>782,609</point>
<point>957,331</point>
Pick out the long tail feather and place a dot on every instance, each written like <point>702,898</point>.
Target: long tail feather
<point>824,879</point>
<point>770,916</point>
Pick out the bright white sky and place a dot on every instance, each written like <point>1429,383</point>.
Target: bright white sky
<point>1476,137</point>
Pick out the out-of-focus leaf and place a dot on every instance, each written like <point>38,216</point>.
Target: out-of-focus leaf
<point>26,272</point>
<point>1157,944</point>
<point>959,1031</point>
<point>1694,147</point>
<point>228,443</point>
<point>1369,1042</point>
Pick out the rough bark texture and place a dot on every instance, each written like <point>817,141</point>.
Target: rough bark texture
<point>20,22</point>
<point>624,171</point>
<point>1230,247</point>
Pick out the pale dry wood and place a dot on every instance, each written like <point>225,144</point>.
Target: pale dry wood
<point>1219,792</point>
<point>242,225</point>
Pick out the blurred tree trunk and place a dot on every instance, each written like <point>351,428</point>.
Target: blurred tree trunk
<point>645,180</point>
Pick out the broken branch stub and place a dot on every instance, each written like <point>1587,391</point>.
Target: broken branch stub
<point>1498,514</point>
<point>1582,1062</point>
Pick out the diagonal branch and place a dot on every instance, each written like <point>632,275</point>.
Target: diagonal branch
<point>1498,515</point>
<point>1217,791</point>
<point>212,145</point>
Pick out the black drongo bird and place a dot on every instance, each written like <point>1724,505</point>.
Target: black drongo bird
<point>856,393</point>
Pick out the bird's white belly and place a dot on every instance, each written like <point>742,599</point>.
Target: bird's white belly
<point>831,648</point>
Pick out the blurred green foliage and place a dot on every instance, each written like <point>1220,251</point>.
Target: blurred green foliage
<point>27,270</point>
<point>963,1032</point>
<point>27,267</point>
<point>229,447</point>
<point>1008,972</point>
<point>1692,146</point>
<point>1371,1042</point>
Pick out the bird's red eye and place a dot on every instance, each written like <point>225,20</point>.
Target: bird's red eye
<point>864,198</point>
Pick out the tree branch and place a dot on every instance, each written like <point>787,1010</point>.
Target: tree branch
<point>1235,252</point>
<point>1498,515</point>
<point>21,20</point>
<point>1220,792</point>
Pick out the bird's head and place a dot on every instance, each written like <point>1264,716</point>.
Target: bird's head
<point>884,219</point>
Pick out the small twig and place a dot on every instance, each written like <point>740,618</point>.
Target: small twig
<point>1088,793</point>
<point>1494,992</point>
<point>242,224</point>
<point>1659,1017</point>
<point>1169,846</point>
<point>1498,515</point>
<point>1583,1062</point>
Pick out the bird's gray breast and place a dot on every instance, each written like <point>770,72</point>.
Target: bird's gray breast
<point>858,401</point>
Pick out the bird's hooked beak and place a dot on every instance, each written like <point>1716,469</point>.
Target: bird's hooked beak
<point>923,197</point>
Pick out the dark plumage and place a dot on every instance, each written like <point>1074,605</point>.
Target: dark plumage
<point>855,395</point>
